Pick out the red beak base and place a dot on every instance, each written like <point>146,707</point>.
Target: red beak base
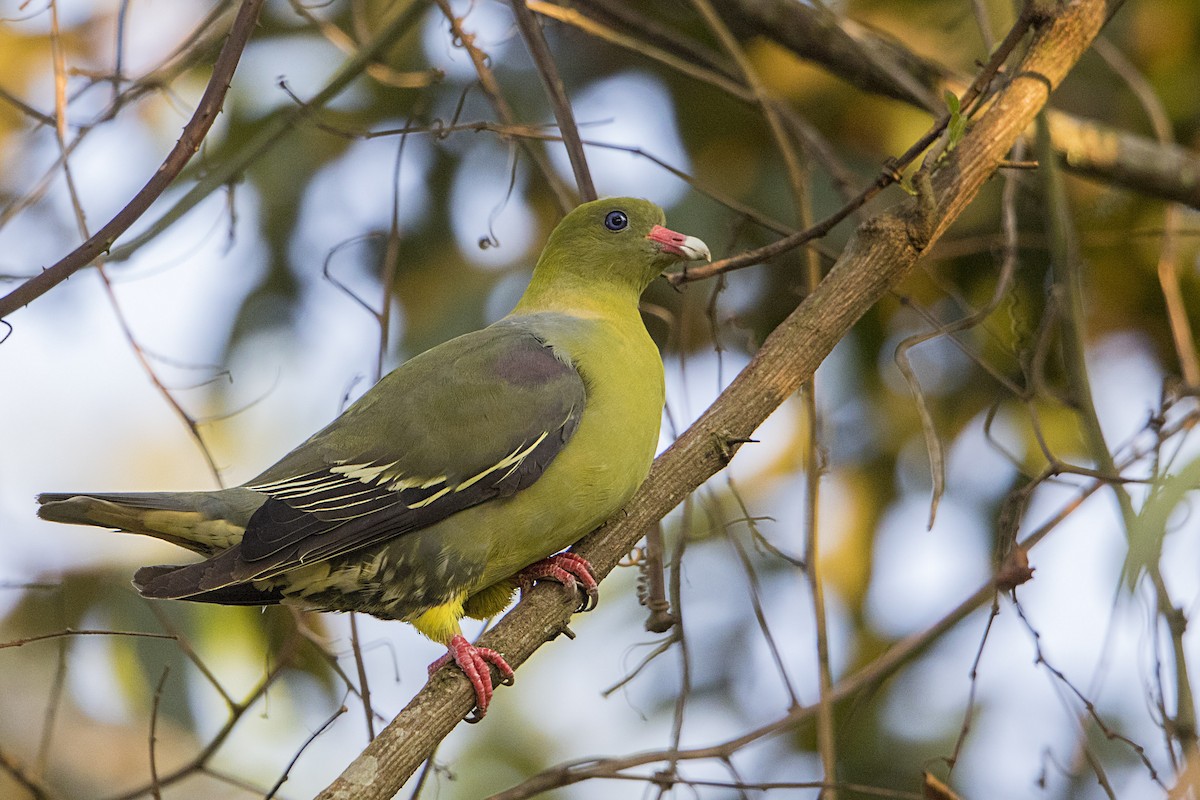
<point>677,244</point>
<point>669,239</point>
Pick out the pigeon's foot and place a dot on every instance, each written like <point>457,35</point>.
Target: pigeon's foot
<point>474,662</point>
<point>570,570</point>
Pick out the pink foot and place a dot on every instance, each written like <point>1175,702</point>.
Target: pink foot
<point>570,570</point>
<point>474,661</point>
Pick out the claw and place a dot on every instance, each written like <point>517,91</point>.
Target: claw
<point>571,570</point>
<point>474,661</point>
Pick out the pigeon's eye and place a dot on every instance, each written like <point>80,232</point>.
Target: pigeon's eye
<point>616,221</point>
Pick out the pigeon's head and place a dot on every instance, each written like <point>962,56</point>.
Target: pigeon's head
<point>619,239</point>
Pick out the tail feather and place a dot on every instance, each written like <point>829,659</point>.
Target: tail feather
<point>203,522</point>
<point>208,523</point>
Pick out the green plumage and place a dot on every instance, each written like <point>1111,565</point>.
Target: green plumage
<point>463,466</point>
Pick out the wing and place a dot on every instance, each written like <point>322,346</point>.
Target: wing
<point>477,418</point>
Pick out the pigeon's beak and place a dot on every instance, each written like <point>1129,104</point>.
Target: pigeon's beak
<point>686,247</point>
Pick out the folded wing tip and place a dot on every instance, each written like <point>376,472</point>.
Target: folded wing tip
<point>188,582</point>
<point>149,581</point>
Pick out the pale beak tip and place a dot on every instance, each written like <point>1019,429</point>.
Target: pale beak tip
<point>696,249</point>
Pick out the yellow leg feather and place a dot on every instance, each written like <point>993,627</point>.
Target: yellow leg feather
<point>440,623</point>
<point>490,601</point>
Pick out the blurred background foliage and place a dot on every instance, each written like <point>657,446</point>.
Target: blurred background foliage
<point>244,288</point>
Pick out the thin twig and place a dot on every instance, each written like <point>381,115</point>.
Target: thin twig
<point>25,108</point>
<point>755,597</point>
<point>517,131</point>
<point>933,444</point>
<point>703,68</point>
<point>389,268</point>
<point>791,161</point>
<point>189,422</point>
<point>364,686</point>
<point>58,685</point>
<point>196,47</point>
<point>186,647</point>
<point>155,788</point>
<point>973,678</point>
<point>312,738</point>
<point>491,88</point>
<point>42,637</point>
<point>81,223</point>
<point>427,769</point>
<point>535,41</point>
<point>826,732</point>
<point>656,650</point>
<point>699,65</point>
<point>679,636</point>
<point>1089,707</point>
<point>381,72</point>
<point>798,181</point>
<point>866,679</point>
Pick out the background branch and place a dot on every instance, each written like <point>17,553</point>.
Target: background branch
<point>1086,147</point>
<point>187,146</point>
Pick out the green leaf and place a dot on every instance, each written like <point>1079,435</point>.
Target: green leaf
<point>957,125</point>
<point>1150,527</point>
<point>952,103</point>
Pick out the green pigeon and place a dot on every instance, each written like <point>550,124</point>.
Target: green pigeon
<point>458,478</point>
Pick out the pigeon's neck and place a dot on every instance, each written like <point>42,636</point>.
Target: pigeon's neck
<point>571,294</point>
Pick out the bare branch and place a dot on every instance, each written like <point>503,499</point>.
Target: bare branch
<point>857,54</point>
<point>187,145</point>
<point>22,777</point>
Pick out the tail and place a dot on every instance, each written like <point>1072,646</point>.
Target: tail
<point>208,523</point>
<point>203,522</point>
